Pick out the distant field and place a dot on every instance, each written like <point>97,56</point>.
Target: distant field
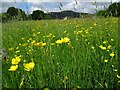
<point>80,53</point>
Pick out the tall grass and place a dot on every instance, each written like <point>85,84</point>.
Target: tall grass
<point>79,63</point>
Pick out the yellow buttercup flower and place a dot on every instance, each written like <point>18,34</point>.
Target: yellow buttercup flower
<point>92,47</point>
<point>103,48</point>
<point>104,42</point>
<point>11,49</point>
<point>109,47</point>
<point>13,68</point>
<point>29,66</point>
<point>16,60</point>
<point>106,60</point>
<point>43,44</point>
<point>95,24</point>
<point>118,76</point>
<point>112,54</point>
<point>59,41</point>
<point>38,32</point>
<point>66,40</point>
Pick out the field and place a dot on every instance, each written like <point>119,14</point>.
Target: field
<point>79,53</point>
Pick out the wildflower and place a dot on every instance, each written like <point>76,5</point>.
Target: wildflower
<point>16,60</point>
<point>105,42</point>
<point>79,32</point>
<point>66,40</point>
<point>95,24</point>
<point>24,44</point>
<point>91,27</point>
<point>112,39</point>
<point>23,38</point>
<point>53,36</point>
<point>11,49</point>
<point>24,60</point>
<point>13,68</point>
<point>118,76</point>
<point>33,42</point>
<point>112,54</point>
<point>17,51</point>
<point>115,70</point>
<point>38,32</point>
<point>16,47</point>
<point>43,44</point>
<point>29,66</point>
<point>103,48</point>
<point>106,60</point>
<point>109,47</point>
<point>59,41</point>
<point>113,66</point>
<point>92,47</point>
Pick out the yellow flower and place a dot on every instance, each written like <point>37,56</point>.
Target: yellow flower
<point>24,60</point>
<point>112,54</point>
<point>103,48</point>
<point>92,47</point>
<point>106,60</point>
<point>113,66</point>
<point>115,70</point>
<point>38,32</point>
<point>17,51</point>
<point>24,44</point>
<point>105,42</point>
<point>29,66</point>
<point>112,39</point>
<point>59,41</point>
<point>95,24</point>
<point>109,47</point>
<point>33,42</point>
<point>13,68</point>
<point>118,76</point>
<point>91,27</point>
<point>66,40</point>
<point>15,60</point>
<point>23,38</point>
<point>43,44</point>
<point>11,49</point>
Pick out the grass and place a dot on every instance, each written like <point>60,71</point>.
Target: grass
<point>78,63</point>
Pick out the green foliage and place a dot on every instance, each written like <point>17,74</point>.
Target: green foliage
<point>80,63</point>
<point>113,10</point>
<point>5,17</point>
<point>38,15</point>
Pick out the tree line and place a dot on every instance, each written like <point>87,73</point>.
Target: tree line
<point>13,13</point>
<point>112,10</point>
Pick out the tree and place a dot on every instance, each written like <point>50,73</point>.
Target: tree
<point>16,13</point>
<point>38,15</point>
<point>12,11</point>
<point>114,9</point>
<point>6,17</point>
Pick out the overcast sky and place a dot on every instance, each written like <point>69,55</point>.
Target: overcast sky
<point>29,6</point>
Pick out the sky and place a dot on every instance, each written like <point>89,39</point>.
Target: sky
<point>86,6</point>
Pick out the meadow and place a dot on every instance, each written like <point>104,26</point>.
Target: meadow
<point>79,53</point>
